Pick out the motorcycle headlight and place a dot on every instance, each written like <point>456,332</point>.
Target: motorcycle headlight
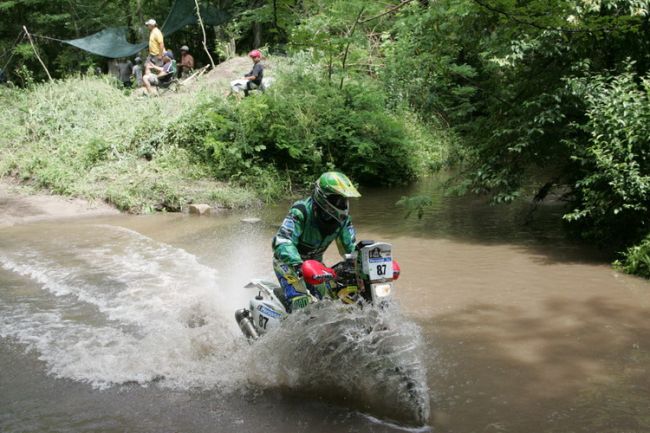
<point>381,290</point>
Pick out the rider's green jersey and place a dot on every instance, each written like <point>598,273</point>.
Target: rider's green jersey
<point>303,236</point>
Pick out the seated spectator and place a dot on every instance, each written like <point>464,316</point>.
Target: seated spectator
<point>157,75</point>
<point>253,79</point>
<point>187,62</point>
<point>138,72</point>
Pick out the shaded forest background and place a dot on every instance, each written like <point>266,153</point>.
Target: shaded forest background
<point>531,99</point>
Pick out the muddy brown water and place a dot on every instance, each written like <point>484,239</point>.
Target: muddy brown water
<point>124,323</point>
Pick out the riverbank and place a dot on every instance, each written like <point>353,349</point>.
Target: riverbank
<point>18,206</point>
<point>88,138</point>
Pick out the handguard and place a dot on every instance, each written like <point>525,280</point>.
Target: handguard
<point>314,272</point>
<point>396,270</point>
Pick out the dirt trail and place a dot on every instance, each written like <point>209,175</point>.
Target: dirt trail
<point>218,79</point>
<point>229,70</point>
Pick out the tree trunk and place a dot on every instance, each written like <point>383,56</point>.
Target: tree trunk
<point>128,6</point>
<point>275,15</point>
<point>257,35</point>
<point>138,13</point>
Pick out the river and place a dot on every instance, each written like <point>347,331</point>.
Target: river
<point>125,324</point>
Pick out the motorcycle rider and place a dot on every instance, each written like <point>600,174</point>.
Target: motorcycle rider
<point>306,232</point>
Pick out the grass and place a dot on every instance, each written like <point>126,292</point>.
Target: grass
<point>636,260</point>
<point>85,137</point>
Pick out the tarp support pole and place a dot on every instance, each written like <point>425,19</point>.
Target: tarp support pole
<point>36,52</point>
<point>205,45</point>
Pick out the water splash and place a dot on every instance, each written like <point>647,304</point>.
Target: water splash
<point>368,359</point>
<point>107,305</point>
<point>116,306</point>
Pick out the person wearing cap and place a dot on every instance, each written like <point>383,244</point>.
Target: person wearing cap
<point>256,74</point>
<point>253,79</point>
<point>156,43</point>
<point>187,62</point>
<point>155,75</point>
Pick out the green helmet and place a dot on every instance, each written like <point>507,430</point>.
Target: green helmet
<point>332,192</point>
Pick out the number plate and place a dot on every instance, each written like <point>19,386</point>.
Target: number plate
<point>381,268</point>
<point>377,261</point>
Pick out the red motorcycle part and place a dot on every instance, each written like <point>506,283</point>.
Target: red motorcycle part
<point>314,272</point>
<point>396,269</point>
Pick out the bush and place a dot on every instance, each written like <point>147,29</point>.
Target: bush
<point>637,259</point>
<point>85,137</point>
<point>304,126</point>
<point>611,196</point>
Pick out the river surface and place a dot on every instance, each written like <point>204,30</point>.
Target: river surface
<point>125,324</point>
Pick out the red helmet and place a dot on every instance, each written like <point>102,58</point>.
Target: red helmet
<point>255,54</point>
<point>314,272</point>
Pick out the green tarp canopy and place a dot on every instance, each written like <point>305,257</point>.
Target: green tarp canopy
<point>112,42</point>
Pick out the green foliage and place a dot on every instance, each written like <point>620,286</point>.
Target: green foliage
<point>304,126</point>
<point>636,259</point>
<point>417,204</point>
<point>53,19</point>
<point>274,16</point>
<point>84,137</point>
<point>545,94</point>
<point>24,75</point>
<point>495,71</point>
<point>424,61</point>
<point>341,38</point>
<point>612,190</point>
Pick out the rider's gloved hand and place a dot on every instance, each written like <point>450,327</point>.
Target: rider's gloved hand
<point>298,269</point>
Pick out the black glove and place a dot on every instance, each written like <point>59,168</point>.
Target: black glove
<point>298,269</point>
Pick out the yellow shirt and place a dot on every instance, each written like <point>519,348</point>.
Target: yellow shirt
<point>155,42</point>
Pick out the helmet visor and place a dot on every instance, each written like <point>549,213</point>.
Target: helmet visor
<point>338,201</point>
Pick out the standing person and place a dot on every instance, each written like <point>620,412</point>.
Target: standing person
<point>124,71</point>
<point>306,232</point>
<point>138,72</point>
<point>156,43</point>
<point>187,62</point>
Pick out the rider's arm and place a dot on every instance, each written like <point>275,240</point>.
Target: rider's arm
<point>347,238</point>
<point>286,240</point>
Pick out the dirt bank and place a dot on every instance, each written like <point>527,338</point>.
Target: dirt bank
<point>19,207</point>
